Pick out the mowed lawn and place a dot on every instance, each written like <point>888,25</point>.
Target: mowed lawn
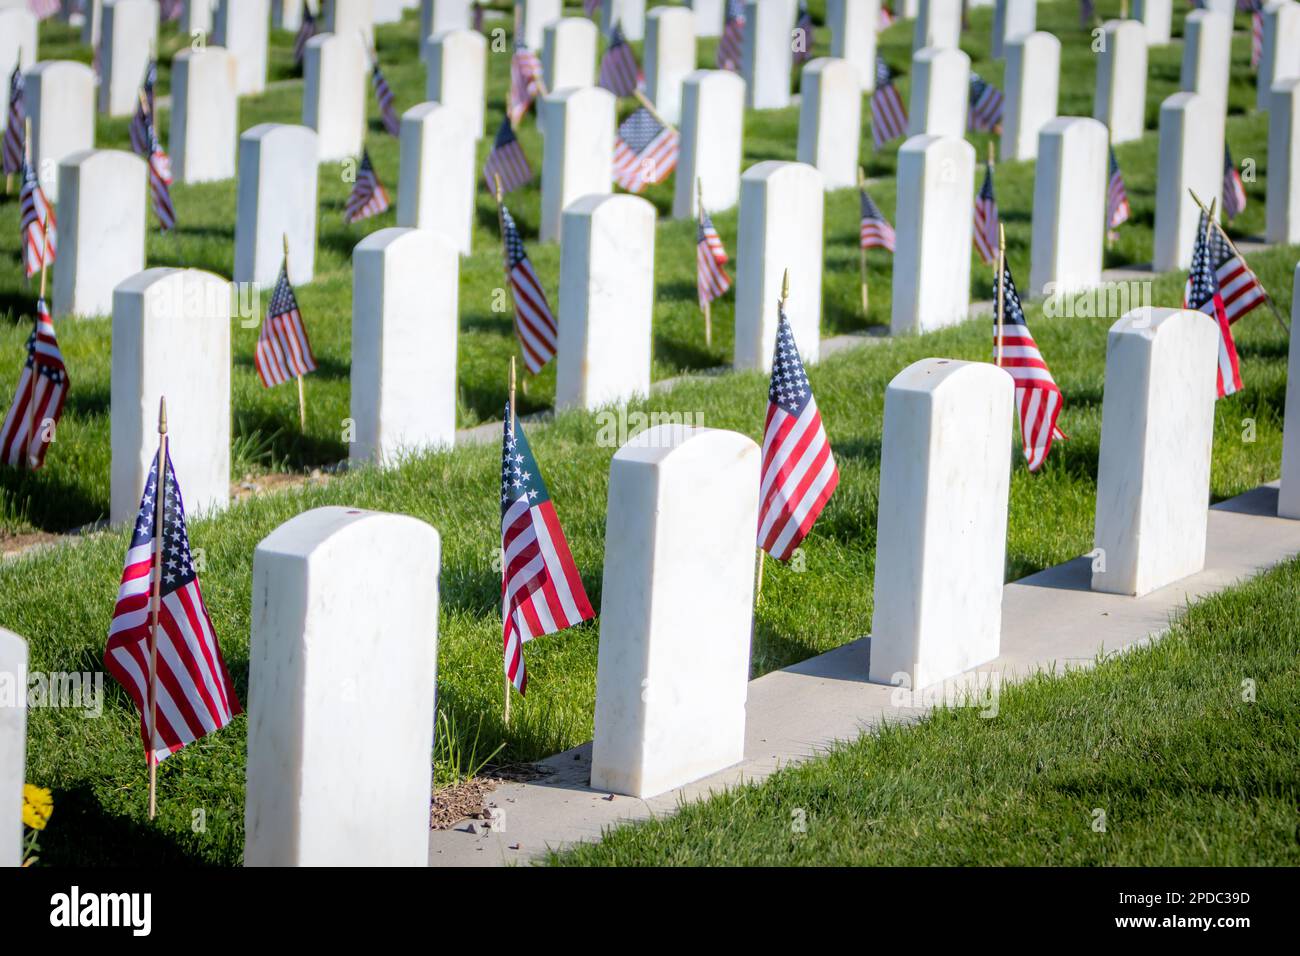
<point>61,599</point>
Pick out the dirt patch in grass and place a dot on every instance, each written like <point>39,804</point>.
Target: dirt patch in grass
<point>14,543</point>
<point>467,800</point>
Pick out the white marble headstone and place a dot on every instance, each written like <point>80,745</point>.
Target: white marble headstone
<point>1280,51</point>
<point>13,745</point>
<point>1288,496</point>
<point>130,33</point>
<point>456,73</point>
<point>437,181</point>
<point>1184,163</point>
<point>242,27</point>
<point>17,41</point>
<point>204,127</point>
<point>60,101</point>
<point>669,57</point>
<point>437,16</point>
<point>713,108</point>
<point>938,24</point>
<point>276,198</point>
<point>628,14</point>
<point>830,120</point>
<point>1120,99</point>
<point>940,92</point>
<point>766,57</point>
<point>1012,19</point>
<point>853,36</point>
<point>1033,84</point>
<point>1156,17</point>
<point>335,87</point>
<point>1282,213</point>
<point>577,158</point>
<point>1070,183</point>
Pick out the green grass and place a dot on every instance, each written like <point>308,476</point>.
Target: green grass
<point>61,600</point>
<point>1162,740</point>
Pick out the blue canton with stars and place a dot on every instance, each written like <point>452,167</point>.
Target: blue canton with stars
<point>789,389</point>
<point>519,473</point>
<point>178,564</point>
<point>1012,311</point>
<point>515,253</point>
<point>1202,281</point>
<point>282,299</point>
<point>639,130</point>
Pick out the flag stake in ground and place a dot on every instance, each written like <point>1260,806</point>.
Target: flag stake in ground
<point>155,605</point>
<point>1000,304</point>
<point>708,316</point>
<point>862,250</point>
<point>785,295</point>
<point>513,418</point>
<point>302,393</point>
<point>1272,306</point>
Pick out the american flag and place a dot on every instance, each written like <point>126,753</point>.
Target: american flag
<point>645,151</point>
<point>590,7</point>
<point>384,94</point>
<point>38,401</point>
<point>803,30</point>
<point>525,81</point>
<point>1038,399</point>
<point>798,470</point>
<point>1238,284</point>
<point>1117,207</point>
<point>283,349</point>
<point>140,140</point>
<point>507,160</point>
<point>1204,294</point>
<point>884,18</point>
<point>476,16</point>
<point>39,227</point>
<point>306,30</point>
<point>1087,11</point>
<point>1256,34</point>
<point>534,323</point>
<point>541,590</point>
<point>711,278</point>
<point>732,43</point>
<point>875,230</point>
<point>985,105</point>
<point>369,198</point>
<point>194,693</point>
<point>42,9</point>
<point>160,181</point>
<point>1234,190</point>
<point>888,114</point>
<point>14,131</point>
<point>171,10</point>
<point>985,232</point>
<point>619,72</point>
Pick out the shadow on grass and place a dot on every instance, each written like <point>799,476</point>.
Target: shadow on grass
<point>48,501</point>
<point>88,835</point>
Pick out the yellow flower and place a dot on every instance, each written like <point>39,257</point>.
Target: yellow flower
<point>37,806</point>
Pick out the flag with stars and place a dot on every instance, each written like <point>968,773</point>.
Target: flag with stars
<point>1038,399</point>
<point>384,96</point>
<point>38,226</point>
<point>619,72</point>
<point>306,30</point>
<point>194,693</point>
<point>14,127</point>
<point>1234,190</point>
<point>711,278</point>
<point>525,81</point>
<point>798,470</point>
<point>1256,34</point>
<point>1117,207</point>
<point>874,231</point>
<point>160,181</point>
<point>1238,284</point>
<point>283,349</point>
<point>732,43</point>
<point>1203,294</point>
<point>369,198</point>
<point>888,114</point>
<point>38,400</point>
<point>507,160</point>
<point>140,139</point>
<point>985,233</point>
<point>541,590</point>
<point>534,323</point>
<point>986,103</point>
<point>645,151</point>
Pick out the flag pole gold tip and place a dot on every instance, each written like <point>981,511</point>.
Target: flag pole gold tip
<point>162,415</point>
<point>496,179</point>
<point>785,285</point>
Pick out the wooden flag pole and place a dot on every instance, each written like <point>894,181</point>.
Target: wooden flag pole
<point>1123,9</point>
<point>758,587</point>
<point>504,609</point>
<point>1272,306</point>
<point>862,252</point>
<point>999,306</point>
<point>155,604</point>
<point>705,304</point>
<point>302,390</point>
<point>30,433</point>
<point>644,101</point>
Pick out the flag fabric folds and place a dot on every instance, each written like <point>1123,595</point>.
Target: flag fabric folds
<point>1117,206</point>
<point>875,230</point>
<point>985,233</point>
<point>1038,399</point>
<point>1256,33</point>
<point>507,160</point>
<point>369,198</point>
<point>194,693</point>
<point>711,278</point>
<point>283,349</point>
<point>619,72</point>
<point>160,181</point>
<point>384,95</point>
<point>15,133</point>
<point>1238,284</point>
<point>645,151</point>
<point>986,102</point>
<point>141,143</point>
<point>39,398</point>
<point>534,323</point>
<point>1202,292</point>
<point>1234,190</point>
<point>38,226</point>
<point>798,472</point>
<point>731,44</point>
<point>306,30</point>
<point>525,81</point>
<point>888,114</point>
<point>541,590</point>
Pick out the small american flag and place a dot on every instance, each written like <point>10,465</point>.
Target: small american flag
<point>985,233</point>
<point>39,227</point>
<point>43,9</point>
<point>306,30</point>
<point>1256,34</point>
<point>14,127</point>
<point>534,323</point>
<point>711,278</point>
<point>1238,284</point>
<point>171,10</point>
<point>590,7</point>
<point>888,114</point>
<point>798,471</point>
<point>884,18</point>
<point>619,72</point>
<point>144,104</point>
<point>875,230</point>
<point>541,590</point>
<point>985,105</point>
<point>283,349</point>
<point>369,198</point>
<point>160,181</point>
<point>507,160</point>
<point>38,401</point>
<point>1203,293</point>
<point>1038,399</point>
<point>193,692</point>
<point>803,35</point>
<point>384,94</point>
<point>732,43</point>
<point>1087,11</point>
<point>1234,190</point>
<point>476,16</point>
<point>645,151</point>
<point>525,81</point>
<point>1117,207</point>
